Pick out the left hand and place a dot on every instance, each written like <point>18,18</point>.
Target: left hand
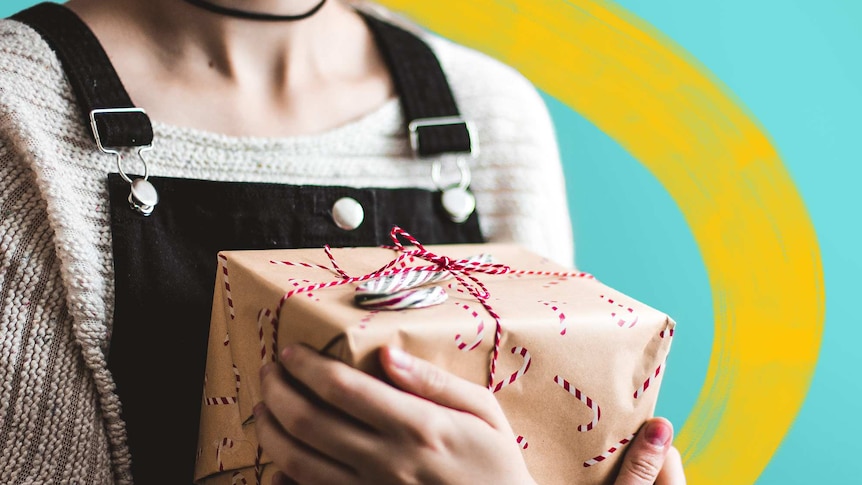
<point>436,429</point>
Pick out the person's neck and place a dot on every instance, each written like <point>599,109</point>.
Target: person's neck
<point>190,67</point>
<point>238,49</point>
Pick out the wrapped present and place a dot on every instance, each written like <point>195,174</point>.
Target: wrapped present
<point>575,365</point>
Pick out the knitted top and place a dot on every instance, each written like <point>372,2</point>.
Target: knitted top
<point>59,416</point>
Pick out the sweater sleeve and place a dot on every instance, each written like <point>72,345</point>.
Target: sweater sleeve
<point>47,404</point>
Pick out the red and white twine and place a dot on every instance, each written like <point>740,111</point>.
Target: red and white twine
<point>579,395</point>
<point>522,442</point>
<point>462,270</point>
<point>300,263</point>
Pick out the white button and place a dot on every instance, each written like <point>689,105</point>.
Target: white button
<point>459,203</point>
<point>144,192</point>
<point>347,213</point>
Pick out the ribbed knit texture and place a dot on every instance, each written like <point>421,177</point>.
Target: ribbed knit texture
<point>59,416</point>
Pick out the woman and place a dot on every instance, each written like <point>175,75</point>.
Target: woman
<point>307,100</point>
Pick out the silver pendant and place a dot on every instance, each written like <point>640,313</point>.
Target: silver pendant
<point>457,200</point>
<point>459,203</point>
<point>143,196</point>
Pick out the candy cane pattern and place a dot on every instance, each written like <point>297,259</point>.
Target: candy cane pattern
<point>555,282</point>
<point>667,331</point>
<point>223,260</point>
<point>459,340</point>
<point>639,391</point>
<point>626,316</point>
<point>522,442</point>
<point>226,341</point>
<point>224,443</point>
<point>560,314</point>
<point>516,375</point>
<point>388,285</point>
<point>264,314</point>
<point>223,400</point>
<point>594,407</point>
<point>238,479</point>
<point>365,320</point>
<point>613,449</point>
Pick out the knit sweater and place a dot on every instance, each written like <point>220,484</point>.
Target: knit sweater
<point>60,418</point>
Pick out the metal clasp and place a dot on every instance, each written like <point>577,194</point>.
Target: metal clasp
<point>463,181</point>
<point>143,196</point>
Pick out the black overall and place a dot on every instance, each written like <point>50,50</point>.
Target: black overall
<point>165,263</point>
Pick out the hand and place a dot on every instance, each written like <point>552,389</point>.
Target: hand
<point>650,458</point>
<point>357,429</point>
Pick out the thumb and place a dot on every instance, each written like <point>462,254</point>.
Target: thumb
<point>645,457</point>
<point>426,380</point>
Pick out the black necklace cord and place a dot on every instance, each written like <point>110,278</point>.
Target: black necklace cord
<point>243,14</point>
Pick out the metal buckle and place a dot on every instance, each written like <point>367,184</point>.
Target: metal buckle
<point>143,196</point>
<point>111,151</point>
<point>95,127</point>
<point>413,128</point>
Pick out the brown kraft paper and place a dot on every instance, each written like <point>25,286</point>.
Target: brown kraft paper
<point>579,368</point>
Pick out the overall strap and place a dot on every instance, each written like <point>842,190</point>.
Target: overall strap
<point>433,120</point>
<point>107,108</point>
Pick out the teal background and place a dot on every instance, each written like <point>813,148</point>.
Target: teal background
<point>796,65</point>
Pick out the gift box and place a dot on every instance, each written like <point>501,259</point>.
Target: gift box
<point>577,373</point>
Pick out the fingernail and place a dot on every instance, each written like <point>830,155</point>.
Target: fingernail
<point>286,352</point>
<point>266,369</point>
<point>658,433</point>
<point>400,358</point>
<point>258,409</point>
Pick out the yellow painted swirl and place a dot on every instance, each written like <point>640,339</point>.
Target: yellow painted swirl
<point>718,164</point>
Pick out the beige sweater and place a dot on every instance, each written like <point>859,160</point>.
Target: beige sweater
<point>59,416</point>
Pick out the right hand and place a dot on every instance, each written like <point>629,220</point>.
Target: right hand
<point>651,459</point>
